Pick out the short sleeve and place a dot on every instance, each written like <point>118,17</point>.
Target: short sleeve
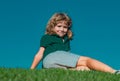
<point>45,41</point>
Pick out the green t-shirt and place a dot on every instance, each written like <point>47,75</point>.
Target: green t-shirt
<point>53,43</point>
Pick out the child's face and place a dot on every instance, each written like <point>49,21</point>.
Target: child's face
<point>61,28</point>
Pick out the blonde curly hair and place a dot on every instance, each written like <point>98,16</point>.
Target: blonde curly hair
<point>55,19</point>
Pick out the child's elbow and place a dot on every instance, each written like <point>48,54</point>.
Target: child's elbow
<point>38,56</point>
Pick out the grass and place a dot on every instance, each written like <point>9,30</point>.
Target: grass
<point>17,74</point>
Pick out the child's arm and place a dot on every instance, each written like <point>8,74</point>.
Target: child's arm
<point>38,57</point>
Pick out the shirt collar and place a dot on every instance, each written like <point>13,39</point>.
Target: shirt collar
<point>65,37</point>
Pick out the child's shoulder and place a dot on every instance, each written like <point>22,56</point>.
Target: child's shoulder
<point>46,36</point>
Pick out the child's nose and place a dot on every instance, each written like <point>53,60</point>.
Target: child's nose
<point>61,28</point>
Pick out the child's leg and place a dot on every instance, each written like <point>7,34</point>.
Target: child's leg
<point>80,68</point>
<point>94,64</point>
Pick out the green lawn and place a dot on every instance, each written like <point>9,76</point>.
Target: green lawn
<point>17,74</point>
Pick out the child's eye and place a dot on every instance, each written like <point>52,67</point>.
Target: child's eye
<point>58,26</point>
<point>65,27</point>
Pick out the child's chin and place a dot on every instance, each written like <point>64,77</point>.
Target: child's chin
<point>61,35</point>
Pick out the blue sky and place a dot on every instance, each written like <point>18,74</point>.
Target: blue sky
<point>96,26</point>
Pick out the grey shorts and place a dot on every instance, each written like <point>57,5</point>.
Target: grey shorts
<point>60,59</point>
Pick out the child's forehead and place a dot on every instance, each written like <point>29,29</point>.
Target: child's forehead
<point>62,22</point>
